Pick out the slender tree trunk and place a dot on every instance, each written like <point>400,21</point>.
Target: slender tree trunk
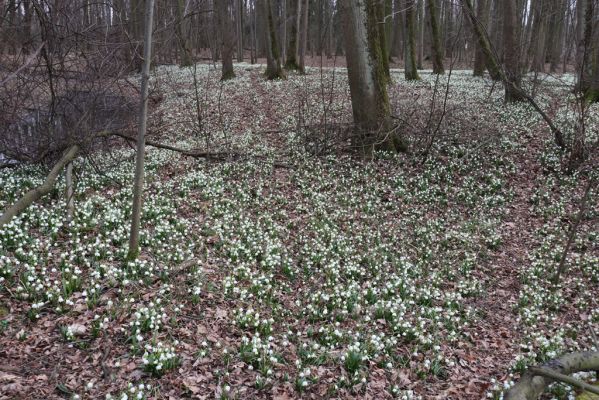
<point>483,42</point>
<point>283,29</point>
<point>411,70</point>
<point>511,52</point>
<point>254,49</point>
<point>482,14</point>
<point>449,34</point>
<point>293,51</point>
<point>138,182</point>
<point>436,38</point>
<point>239,23</point>
<point>420,32</point>
<point>580,29</point>
<point>367,82</point>
<point>398,23</point>
<point>182,33</point>
<point>389,27</point>
<point>223,16</point>
<point>380,15</point>
<point>273,59</point>
<point>304,41</point>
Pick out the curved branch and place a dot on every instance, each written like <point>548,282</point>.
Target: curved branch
<point>36,193</point>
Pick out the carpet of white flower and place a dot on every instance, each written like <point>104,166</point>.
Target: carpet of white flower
<point>332,277</point>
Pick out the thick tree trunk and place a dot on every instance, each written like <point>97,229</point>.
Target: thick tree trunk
<point>293,51</point>
<point>411,70</point>
<point>223,16</point>
<point>482,14</point>
<point>370,102</point>
<point>273,59</point>
<point>436,38</point>
<point>511,53</point>
<point>138,182</point>
<point>537,43</point>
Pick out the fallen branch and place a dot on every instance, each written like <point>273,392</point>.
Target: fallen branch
<point>548,373</point>
<point>36,193</point>
<point>533,383</point>
<point>190,153</point>
<point>222,155</point>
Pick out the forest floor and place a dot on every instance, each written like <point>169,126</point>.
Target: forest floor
<point>286,274</point>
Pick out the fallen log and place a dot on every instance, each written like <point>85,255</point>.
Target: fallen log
<point>536,379</point>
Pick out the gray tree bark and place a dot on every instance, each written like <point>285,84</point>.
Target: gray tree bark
<point>304,40</point>
<point>273,59</point>
<point>138,182</point>
<point>225,28</point>
<point>367,82</point>
<point>410,68</point>
<point>436,38</point>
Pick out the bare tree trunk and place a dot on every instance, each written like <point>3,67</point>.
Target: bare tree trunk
<point>293,52</point>
<point>283,29</point>
<point>537,43</point>
<point>482,13</point>
<point>411,70</point>
<point>367,82</point>
<point>398,47</point>
<point>555,34</point>
<point>380,15</point>
<point>589,66</point>
<point>449,34</point>
<point>138,182</point>
<point>182,32</point>
<point>273,60</point>
<point>436,38</point>
<point>240,13</point>
<point>511,52</point>
<point>483,41</point>
<point>420,31</point>
<point>254,49</point>
<point>580,29</point>
<point>223,17</point>
<point>304,41</point>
